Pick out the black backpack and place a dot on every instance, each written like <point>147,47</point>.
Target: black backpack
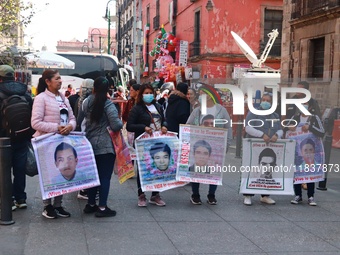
<point>16,118</point>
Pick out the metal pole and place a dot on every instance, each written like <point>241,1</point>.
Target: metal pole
<point>119,55</point>
<point>134,38</point>
<point>239,139</point>
<point>6,181</point>
<point>327,144</point>
<point>108,32</point>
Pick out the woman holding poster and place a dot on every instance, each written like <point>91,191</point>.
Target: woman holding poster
<point>268,131</point>
<point>52,113</point>
<point>146,116</point>
<point>307,148</point>
<point>101,113</point>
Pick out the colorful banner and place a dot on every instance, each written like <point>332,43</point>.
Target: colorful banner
<point>157,157</point>
<point>309,157</point>
<point>123,159</point>
<point>65,164</point>
<point>267,169</point>
<point>203,154</point>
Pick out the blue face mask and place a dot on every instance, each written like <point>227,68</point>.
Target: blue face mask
<point>148,98</point>
<point>265,105</point>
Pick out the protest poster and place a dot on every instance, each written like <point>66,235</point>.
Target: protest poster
<point>202,157</point>
<point>123,159</point>
<point>157,157</point>
<point>65,164</point>
<point>309,157</point>
<point>267,169</point>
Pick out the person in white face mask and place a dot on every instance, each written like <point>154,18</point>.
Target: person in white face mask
<point>267,130</point>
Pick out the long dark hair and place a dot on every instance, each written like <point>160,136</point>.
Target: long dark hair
<point>100,89</point>
<point>47,74</point>
<point>142,88</point>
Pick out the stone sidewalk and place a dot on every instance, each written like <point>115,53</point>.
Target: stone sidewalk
<point>181,228</point>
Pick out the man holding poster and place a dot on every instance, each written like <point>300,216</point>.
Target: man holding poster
<point>309,155</point>
<point>268,131</point>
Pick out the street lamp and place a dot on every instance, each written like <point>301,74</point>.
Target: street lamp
<point>108,18</point>
<point>100,39</point>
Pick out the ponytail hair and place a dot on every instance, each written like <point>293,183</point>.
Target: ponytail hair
<point>48,74</point>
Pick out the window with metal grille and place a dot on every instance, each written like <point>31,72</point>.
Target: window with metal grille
<point>272,20</point>
<point>317,57</point>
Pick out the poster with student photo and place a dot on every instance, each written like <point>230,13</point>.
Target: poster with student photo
<point>203,152</point>
<point>309,157</point>
<point>267,168</point>
<point>157,161</point>
<point>65,164</point>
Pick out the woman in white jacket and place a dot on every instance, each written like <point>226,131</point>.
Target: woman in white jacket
<point>51,110</point>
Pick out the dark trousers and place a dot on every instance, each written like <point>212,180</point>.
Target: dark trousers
<point>195,186</point>
<point>140,192</point>
<point>310,189</point>
<point>105,163</point>
<point>19,158</point>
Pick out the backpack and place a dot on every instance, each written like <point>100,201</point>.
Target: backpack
<point>16,118</point>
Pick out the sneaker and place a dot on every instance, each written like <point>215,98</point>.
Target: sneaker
<point>211,200</point>
<point>82,194</point>
<point>61,212</point>
<point>195,200</point>
<point>142,200</point>
<point>21,204</point>
<point>90,209</point>
<point>311,201</point>
<point>49,212</point>
<point>267,200</point>
<point>296,200</point>
<point>107,212</point>
<point>157,200</point>
<point>14,207</point>
<point>247,200</point>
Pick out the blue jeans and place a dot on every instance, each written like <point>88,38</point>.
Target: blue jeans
<point>19,158</point>
<point>195,186</point>
<point>105,163</point>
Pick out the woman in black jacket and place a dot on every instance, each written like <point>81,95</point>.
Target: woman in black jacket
<point>146,116</point>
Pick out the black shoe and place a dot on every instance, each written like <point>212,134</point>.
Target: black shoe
<point>21,204</point>
<point>212,200</point>
<point>195,200</point>
<point>82,194</point>
<point>49,212</point>
<point>61,212</point>
<point>90,209</point>
<point>105,213</point>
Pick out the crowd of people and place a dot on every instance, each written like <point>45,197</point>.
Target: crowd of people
<point>92,110</point>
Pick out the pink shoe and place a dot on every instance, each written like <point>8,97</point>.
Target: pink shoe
<point>142,200</point>
<point>157,200</point>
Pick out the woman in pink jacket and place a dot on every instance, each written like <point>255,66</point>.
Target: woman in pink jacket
<point>52,113</point>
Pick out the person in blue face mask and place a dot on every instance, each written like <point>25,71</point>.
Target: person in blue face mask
<point>258,126</point>
<point>146,116</point>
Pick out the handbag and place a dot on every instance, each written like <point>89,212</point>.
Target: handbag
<point>31,163</point>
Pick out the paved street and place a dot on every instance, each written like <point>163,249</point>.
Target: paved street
<point>181,228</point>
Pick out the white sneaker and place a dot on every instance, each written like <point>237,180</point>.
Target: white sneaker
<point>267,200</point>
<point>311,201</point>
<point>247,200</point>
